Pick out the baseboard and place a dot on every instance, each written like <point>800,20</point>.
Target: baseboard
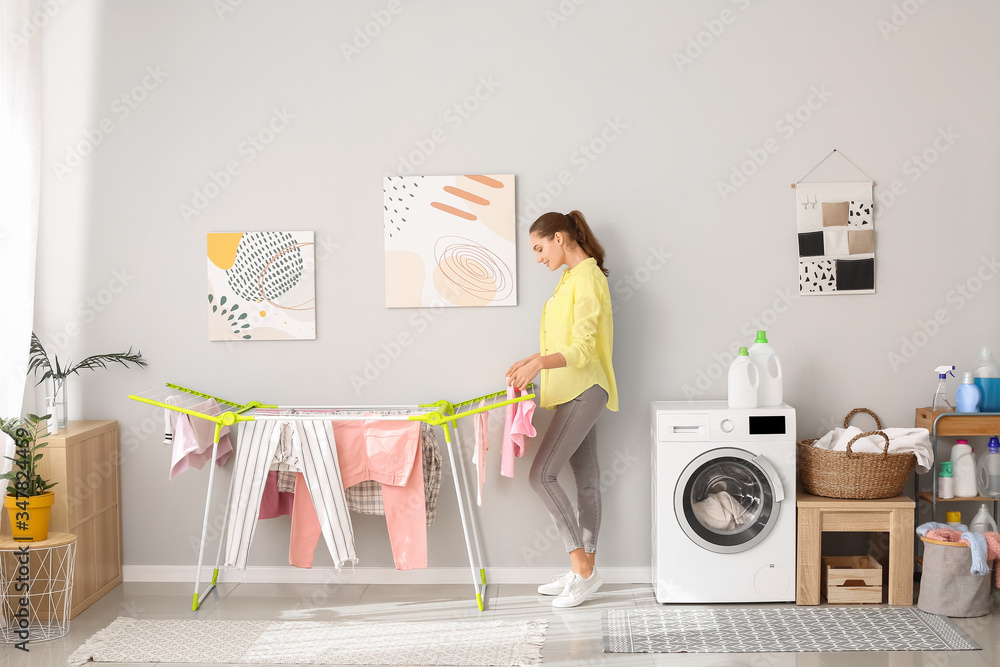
<point>372,575</point>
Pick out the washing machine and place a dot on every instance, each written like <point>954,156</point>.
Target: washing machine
<point>723,502</point>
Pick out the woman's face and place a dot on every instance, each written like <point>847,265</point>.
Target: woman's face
<point>549,251</point>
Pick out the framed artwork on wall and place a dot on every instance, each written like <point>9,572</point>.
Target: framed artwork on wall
<point>449,241</point>
<point>261,286</point>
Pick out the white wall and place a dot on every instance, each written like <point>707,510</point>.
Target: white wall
<point>112,233</point>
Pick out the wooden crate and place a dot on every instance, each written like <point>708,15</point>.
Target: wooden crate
<point>852,580</point>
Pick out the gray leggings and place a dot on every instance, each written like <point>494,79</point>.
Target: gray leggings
<point>572,436</point>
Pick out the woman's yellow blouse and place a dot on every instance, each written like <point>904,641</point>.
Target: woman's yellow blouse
<point>576,322</point>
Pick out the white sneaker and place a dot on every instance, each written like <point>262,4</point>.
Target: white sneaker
<point>556,585</point>
<point>577,590</point>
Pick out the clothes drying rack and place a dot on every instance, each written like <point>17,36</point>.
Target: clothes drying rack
<point>439,413</point>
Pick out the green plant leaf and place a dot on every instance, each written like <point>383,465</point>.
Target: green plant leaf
<point>243,316</point>
<point>102,360</point>
<point>222,301</point>
<point>37,358</point>
<point>211,297</point>
<point>214,308</point>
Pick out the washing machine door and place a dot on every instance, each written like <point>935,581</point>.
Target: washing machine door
<point>727,500</point>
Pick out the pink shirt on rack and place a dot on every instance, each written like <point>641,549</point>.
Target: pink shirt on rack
<point>194,438</point>
<point>481,423</point>
<point>517,425</point>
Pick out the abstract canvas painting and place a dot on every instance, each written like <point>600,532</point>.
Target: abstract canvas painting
<point>836,238</point>
<point>449,241</point>
<point>261,286</point>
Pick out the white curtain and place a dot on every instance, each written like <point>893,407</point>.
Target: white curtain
<point>20,174</point>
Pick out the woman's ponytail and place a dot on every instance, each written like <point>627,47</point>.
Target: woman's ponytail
<point>575,226</point>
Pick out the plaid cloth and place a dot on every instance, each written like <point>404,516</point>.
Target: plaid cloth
<point>286,479</point>
<point>366,497</point>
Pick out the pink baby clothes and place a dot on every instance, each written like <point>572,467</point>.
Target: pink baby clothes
<point>517,425</point>
<point>993,553</point>
<point>194,438</point>
<point>944,535</point>
<point>305,526</point>
<point>389,452</point>
<point>481,423</point>
<point>275,503</point>
<point>379,450</point>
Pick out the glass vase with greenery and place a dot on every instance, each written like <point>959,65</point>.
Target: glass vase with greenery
<point>54,374</point>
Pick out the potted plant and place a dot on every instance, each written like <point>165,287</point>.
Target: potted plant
<point>28,501</point>
<point>55,374</point>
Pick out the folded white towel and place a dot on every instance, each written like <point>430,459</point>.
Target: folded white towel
<point>916,440</point>
<point>720,511</point>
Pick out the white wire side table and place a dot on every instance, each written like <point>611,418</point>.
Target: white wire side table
<point>36,581</point>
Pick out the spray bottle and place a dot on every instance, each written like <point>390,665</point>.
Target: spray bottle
<point>940,402</point>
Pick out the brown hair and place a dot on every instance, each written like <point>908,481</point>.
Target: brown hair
<point>575,226</point>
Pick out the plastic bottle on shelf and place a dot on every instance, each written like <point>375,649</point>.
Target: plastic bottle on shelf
<point>983,522</point>
<point>988,472</point>
<point>967,395</point>
<point>765,359</point>
<point>987,366</point>
<point>988,380</point>
<point>946,486</point>
<point>953,519</point>
<point>743,381</point>
<point>963,466</point>
<point>940,402</point>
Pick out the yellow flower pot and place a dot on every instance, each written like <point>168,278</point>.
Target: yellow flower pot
<point>30,521</point>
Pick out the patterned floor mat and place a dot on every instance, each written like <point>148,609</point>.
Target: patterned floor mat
<point>757,630</point>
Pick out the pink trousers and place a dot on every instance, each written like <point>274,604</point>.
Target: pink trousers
<point>387,452</point>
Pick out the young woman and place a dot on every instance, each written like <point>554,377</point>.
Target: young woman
<point>578,382</point>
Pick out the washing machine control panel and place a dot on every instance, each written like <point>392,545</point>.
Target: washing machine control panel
<point>767,425</point>
<point>705,421</point>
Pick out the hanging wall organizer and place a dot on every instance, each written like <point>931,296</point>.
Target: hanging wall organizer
<point>836,235</point>
<point>440,413</point>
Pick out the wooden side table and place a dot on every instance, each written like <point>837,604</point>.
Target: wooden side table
<point>36,579</point>
<point>818,515</point>
<point>83,459</point>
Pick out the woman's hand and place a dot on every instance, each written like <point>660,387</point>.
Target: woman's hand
<point>519,364</point>
<point>524,371</point>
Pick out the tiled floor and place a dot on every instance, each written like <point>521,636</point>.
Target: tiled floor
<point>573,638</point>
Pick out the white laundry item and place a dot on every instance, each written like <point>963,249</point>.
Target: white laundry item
<point>901,440</point>
<point>720,511</point>
<point>287,448</point>
<point>170,419</point>
<point>321,469</point>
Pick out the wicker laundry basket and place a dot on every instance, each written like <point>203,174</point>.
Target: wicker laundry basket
<point>854,475</point>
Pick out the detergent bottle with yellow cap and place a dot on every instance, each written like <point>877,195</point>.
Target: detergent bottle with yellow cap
<point>953,519</point>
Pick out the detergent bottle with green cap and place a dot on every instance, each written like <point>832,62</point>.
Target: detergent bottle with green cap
<point>946,481</point>
<point>940,402</point>
<point>765,359</point>
<point>743,381</point>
